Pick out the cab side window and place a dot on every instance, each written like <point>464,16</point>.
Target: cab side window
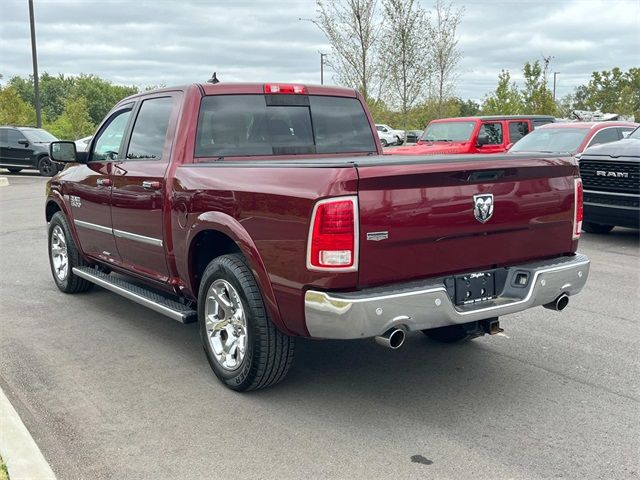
<point>605,135</point>
<point>517,130</point>
<point>150,129</point>
<point>107,145</point>
<point>493,131</point>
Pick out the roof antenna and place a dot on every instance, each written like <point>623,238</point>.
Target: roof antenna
<point>213,79</point>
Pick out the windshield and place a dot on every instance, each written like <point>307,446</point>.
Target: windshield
<point>635,134</point>
<point>36,135</point>
<point>448,131</point>
<point>551,140</point>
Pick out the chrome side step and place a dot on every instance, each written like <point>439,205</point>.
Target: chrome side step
<point>141,295</point>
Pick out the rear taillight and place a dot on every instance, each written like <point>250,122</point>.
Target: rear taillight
<point>333,235</point>
<point>281,88</point>
<point>578,212</point>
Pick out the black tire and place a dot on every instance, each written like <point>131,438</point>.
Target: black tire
<point>450,334</point>
<point>46,167</point>
<point>383,142</point>
<point>269,353</point>
<point>69,283</point>
<point>596,228</point>
<point>14,170</point>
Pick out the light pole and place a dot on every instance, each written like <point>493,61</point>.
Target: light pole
<point>554,85</point>
<point>34,56</point>
<point>322,55</point>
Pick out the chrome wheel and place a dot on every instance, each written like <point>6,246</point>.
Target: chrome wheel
<point>59,256</point>
<point>225,324</point>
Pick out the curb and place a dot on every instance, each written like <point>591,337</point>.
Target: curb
<point>23,458</point>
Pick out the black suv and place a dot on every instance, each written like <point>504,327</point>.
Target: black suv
<point>611,179</point>
<point>26,147</point>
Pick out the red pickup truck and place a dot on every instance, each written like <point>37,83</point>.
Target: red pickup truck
<point>268,212</point>
<point>487,134</point>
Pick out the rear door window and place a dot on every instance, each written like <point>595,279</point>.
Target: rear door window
<point>517,130</point>
<point>245,125</point>
<point>493,132</point>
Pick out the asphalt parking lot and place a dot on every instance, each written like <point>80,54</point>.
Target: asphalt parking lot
<point>109,389</point>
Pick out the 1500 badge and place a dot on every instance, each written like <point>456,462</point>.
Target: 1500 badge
<point>75,201</point>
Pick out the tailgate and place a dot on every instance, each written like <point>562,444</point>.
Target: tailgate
<point>419,219</point>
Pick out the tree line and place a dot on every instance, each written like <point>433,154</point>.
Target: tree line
<point>72,106</point>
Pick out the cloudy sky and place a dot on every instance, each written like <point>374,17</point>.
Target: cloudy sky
<point>173,42</point>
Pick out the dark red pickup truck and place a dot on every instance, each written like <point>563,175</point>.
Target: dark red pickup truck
<point>268,212</point>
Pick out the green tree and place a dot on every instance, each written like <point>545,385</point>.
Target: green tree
<point>468,108</point>
<point>13,109</point>
<point>611,91</point>
<point>101,94</point>
<point>536,96</point>
<point>506,100</point>
<point>74,122</point>
<point>404,33</point>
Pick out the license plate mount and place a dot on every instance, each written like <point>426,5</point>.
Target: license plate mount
<point>475,287</point>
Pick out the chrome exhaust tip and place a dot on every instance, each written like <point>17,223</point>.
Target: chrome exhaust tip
<point>559,303</point>
<point>392,338</point>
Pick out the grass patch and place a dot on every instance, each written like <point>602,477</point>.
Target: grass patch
<point>4,475</point>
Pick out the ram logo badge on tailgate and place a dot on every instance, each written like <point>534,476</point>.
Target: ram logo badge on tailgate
<point>483,207</point>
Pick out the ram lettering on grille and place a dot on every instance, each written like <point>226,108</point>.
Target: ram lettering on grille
<point>602,173</point>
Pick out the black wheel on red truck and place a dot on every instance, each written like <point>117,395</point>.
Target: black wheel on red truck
<point>596,228</point>
<point>244,348</point>
<point>64,255</point>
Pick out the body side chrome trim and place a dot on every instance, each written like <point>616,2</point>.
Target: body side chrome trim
<point>120,233</point>
<point>138,238</point>
<point>93,226</point>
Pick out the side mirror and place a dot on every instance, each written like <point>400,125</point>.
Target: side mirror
<point>626,134</point>
<point>24,142</point>
<point>64,152</point>
<point>482,140</point>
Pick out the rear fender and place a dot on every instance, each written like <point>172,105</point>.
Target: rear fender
<point>229,226</point>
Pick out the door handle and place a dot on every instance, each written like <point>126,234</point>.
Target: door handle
<point>104,182</point>
<point>151,185</point>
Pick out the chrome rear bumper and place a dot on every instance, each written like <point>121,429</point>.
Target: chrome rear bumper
<point>426,304</point>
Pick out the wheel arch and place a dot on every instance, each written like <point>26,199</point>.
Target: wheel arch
<point>214,234</point>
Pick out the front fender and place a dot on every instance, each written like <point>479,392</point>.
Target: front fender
<point>55,196</point>
<point>229,226</point>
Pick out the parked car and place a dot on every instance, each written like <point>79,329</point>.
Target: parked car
<point>572,137</point>
<point>83,143</point>
<point>611,176</point>
<point>399,134</point>
<point>387,139</point>
<point>489,134</point>
<point>414,135</point>
<point>231,205</point>
<point>26,148</point>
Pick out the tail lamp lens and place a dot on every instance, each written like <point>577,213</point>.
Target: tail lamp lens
<point>578,209</point>
<point>332,240</point>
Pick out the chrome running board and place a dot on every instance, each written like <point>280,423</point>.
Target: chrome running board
<point>150,299</point>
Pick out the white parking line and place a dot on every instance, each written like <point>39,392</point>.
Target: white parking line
<point>20,453</point>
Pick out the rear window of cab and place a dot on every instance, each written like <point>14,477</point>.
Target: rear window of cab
<point>252,125</point>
